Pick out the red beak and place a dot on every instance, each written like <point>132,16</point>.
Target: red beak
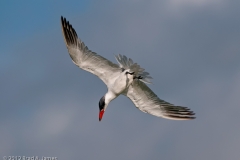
<point>101,114</point>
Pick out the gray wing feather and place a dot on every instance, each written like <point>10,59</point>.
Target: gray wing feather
<point>85,58</point>
<point>147,101</point>
<point>127,63</point>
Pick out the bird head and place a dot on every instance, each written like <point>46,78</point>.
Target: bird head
<point>102,107</point>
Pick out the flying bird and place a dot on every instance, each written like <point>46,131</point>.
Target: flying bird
<point>126,78</point>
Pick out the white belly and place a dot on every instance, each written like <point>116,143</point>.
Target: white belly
<point>121,83</point>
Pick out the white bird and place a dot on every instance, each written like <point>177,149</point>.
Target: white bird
<point>127,78</point>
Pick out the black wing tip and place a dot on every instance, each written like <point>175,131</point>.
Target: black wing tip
<point>192,115</point>
<point>64,21</point>
<point>180,117</point>
<point>69,32</point>
<point>180,112</point>
<point>191,118</point>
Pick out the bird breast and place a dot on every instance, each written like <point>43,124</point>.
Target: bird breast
<point>121,83</point>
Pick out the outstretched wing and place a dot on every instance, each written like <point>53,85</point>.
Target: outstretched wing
<point>85,58</point>
<point>148,102</point>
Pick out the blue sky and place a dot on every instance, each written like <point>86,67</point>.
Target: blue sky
<point>49,107</point>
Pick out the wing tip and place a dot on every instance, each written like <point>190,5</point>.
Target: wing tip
<point>69,33</point>
<point>171,117</point>
<point>179,113</point>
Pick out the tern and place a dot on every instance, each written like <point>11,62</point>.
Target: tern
<point>126,78</point>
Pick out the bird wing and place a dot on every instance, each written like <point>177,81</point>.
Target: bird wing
<point>147,101</point>
<point>85,58</point>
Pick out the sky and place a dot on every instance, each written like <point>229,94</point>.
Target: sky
<point>49,107</point>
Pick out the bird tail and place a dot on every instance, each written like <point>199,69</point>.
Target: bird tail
<point>139,73</point>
